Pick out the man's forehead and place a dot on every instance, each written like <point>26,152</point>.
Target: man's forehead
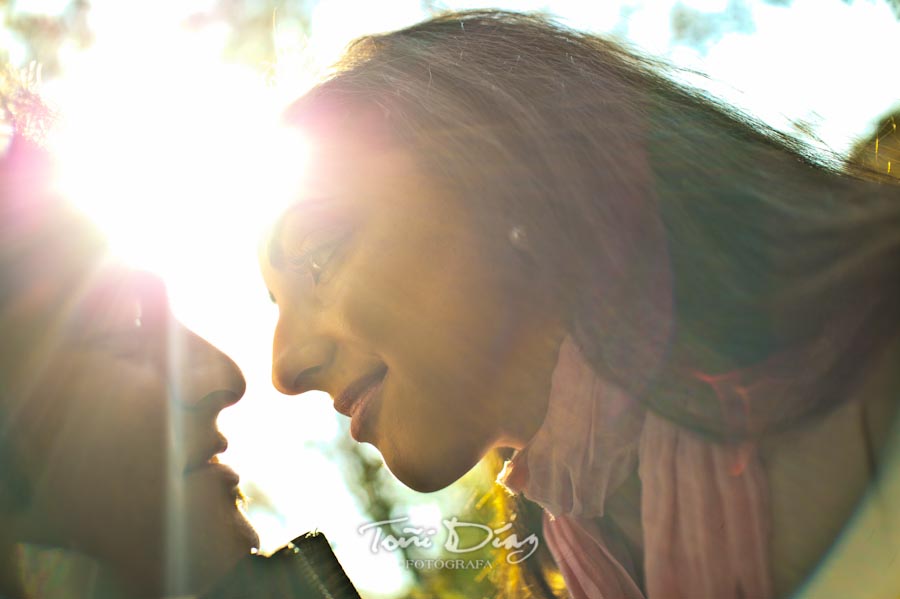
<point>58,253</point>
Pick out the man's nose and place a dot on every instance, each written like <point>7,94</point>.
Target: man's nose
<point>299,359</point>
<point>201,374</point>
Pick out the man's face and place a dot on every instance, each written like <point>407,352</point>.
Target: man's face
<point>110,407</point>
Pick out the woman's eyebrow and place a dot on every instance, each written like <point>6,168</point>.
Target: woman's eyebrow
<point>274,249</point>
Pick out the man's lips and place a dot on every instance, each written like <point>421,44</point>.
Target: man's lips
<point>217,469</point>
<point>347,402</point>
<point>206,456</point>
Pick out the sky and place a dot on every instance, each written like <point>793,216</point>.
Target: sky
<point>185,203</point>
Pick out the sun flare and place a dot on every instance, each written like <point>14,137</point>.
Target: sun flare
<point>164,168</point>
<point>182,161</point>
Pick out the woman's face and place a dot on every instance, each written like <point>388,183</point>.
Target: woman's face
<point>113,421</point>
<point>390,302</point>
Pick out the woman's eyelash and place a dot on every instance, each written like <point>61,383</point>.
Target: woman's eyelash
<point>316,260</point>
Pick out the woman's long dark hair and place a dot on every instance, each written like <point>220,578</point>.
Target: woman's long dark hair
<point>716,269</point>
<point>705,256</point>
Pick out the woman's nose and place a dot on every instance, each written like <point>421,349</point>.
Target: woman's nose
<point>201,374</point>
<point>298,361</point>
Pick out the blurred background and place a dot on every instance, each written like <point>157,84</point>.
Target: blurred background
<point>169,142</point>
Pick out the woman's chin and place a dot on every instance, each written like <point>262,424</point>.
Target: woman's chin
<point>424,484</point>
<point>428,476</point>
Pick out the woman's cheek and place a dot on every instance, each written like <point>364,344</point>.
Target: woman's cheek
<point>367,300</point>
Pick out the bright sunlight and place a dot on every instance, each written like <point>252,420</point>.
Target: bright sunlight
<point>179,156</point>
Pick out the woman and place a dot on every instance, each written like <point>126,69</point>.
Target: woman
<point>517,235</point>
<point>108,437</point>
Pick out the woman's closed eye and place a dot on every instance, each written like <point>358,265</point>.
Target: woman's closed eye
<point>319,259</point>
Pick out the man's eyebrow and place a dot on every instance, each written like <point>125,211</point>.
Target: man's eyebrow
<point>106,286</point>
<point>109,283</point>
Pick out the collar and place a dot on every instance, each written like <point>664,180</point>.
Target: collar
<point>586,447</point>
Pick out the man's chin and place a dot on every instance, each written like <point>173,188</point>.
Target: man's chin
<point>213,560</point>
<point>210,545</point>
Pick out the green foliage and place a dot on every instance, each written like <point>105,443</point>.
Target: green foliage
<point>894,4</point>
<point>253,24</point>
<point>701,30</point>
<point>880,153</point>
<point>21,107</point>
<point>44,36</point>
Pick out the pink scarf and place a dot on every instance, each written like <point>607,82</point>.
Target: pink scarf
<point>704,509</point>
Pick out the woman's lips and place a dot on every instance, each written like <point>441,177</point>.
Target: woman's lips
<point>356,399</point>
<point>364,411</point>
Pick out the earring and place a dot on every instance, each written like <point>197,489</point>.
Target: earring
<point>518,238</point>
